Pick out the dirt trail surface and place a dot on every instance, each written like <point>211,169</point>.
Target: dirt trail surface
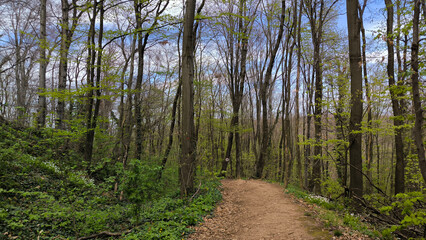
<point>253,209</point>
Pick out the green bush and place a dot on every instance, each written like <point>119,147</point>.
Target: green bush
<point>411,206</point>
<point>140,184</point>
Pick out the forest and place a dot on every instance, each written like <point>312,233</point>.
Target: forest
<point>118,118</point>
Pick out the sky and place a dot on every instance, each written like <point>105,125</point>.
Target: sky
<point>374,16</point>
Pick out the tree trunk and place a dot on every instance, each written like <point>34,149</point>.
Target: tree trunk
<point>417,104</point>
<point>141,43</point>
<point>94,83</point>
<point>316,25</point>
<point>355,136</point>
<point>369,139</point>
<point>264,91</point>
<point>299,56</point>
<point>66,37</point>
<point>236,69</point>
<point>341,122</point>
<point>397,112</point>
<point>187,163</point>
<point>63,62</point>
<point>42,105</point>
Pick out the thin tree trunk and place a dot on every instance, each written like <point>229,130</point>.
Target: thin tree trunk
<point>63,60</point>
<point>141,43</point>
<point>309,104</point>
<point>299,55</point>
<point>42,105</point>
<point>236,85</point>
<point>66,36</point>
<point>288,129</point>
<point>316,31</point>
<point>264,90</point>
<point>369,139</point>
<point>174,107</point>
<point>172,127</point>
<point>341,122</point>
<point>398,122</point>
<point>92,118</point>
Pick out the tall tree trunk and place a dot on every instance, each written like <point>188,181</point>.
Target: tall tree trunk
<point>127,122</point>
<point>264,91</point>
<point>316,25</point>
<point>42,105</point>
<point>309,78</point>
<point>91,57</point>
<point>174,107</point>
<point>341,122</point>
<point>397,121</point>
<point>316,168</point>
<point>21,80</point>
<point>296,99</point>
<point>236,69</point>
<point>94,81</point>
<point>417,104</point>
<point>63,63</point>
<point>244,28</point>
<point>67,32</point>
<point>187,162</point>
<point>369,139</point>
<point>172,127</point>
<point>141,43</point>
<point>355,136</point>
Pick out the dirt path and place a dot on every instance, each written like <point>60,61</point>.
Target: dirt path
<point>253,209</point>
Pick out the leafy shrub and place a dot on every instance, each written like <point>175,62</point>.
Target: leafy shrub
<point>411,206</point>
<point>332,188</point>
<point>140,184</point>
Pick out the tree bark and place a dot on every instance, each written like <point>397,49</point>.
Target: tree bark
<point>94,81</point>
<point>42,105</point>
<point>172,127</point>
<point>67,32</point>
<point>264,90</point>
<point>299,56</point>
<point>369,137</point>
<point>355,136</point>
<point>417,104</point>
<point>142,41</point>
<point>187,162</point>
<point>341,122</point>
<point>397,112</point>
<point>287,97</point>
<point>236,69</point>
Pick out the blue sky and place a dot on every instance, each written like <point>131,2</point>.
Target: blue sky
<point>374,16</point>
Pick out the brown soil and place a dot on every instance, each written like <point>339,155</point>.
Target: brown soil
<point>253,209</point>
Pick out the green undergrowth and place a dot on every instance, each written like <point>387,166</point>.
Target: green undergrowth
<point>170,218</point>
<point>46,193</point>
<point>334,215</point>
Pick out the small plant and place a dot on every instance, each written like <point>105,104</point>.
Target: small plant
<point>337,233</point>
<point>140,184</point>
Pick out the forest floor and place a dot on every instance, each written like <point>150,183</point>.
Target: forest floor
<point>253,209</point>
